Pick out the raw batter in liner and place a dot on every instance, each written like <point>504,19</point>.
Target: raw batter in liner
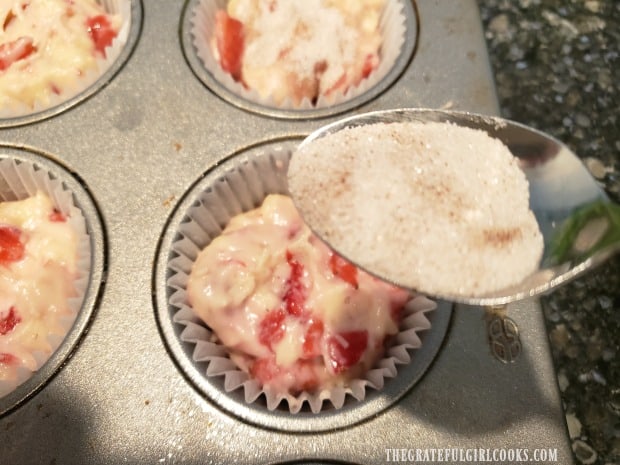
<point>38,259</point>
<point>292,313</point>
<point>288,49</point>
<point>47,46</point>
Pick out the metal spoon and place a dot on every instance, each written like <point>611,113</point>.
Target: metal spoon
<point>580,226</point>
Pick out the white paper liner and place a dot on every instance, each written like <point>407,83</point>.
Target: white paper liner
<point>20,180</point>
<point>244,188</point>
<point>393,30</point>
<point>121,7</point>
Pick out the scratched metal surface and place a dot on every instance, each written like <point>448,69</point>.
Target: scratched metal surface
<point>139,144</point>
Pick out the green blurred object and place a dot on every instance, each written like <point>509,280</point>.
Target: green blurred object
<point>592,229</point>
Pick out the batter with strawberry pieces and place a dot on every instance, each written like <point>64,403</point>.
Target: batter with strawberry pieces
<point>293,314</point>
<point>38,256</point>
<point>47,46</point>
<point>289,49</point>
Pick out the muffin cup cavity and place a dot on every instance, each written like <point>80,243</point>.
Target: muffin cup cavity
<point>23,173</point>
<point>17,113</point>
<point>398,31</point>
<point>20,181</point>
<point>243,182</point>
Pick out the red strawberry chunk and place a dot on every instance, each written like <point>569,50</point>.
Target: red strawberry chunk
<point>339,84</point>
<point>343,269</point>
<point>398,299</point>
<point>271,328</point>
<point>264,369</point>
<point>11,247</point>
<point>7,359</point>
<point>370,64</point>
<point>346,349</point>
<point>57,216</point>
<point>396,311</point>
<point>101,32</point>
<point>229,42</point>
<point>9,321</point>
<point>397,305</point>
<point>312,340</point>
<point>16,50</point>
<point>295,294</point>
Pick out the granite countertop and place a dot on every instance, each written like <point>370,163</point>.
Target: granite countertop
<point>557,68</point>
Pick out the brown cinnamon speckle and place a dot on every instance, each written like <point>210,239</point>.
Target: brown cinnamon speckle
<point>500,237</point>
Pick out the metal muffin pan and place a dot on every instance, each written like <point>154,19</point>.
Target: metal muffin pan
<point>83,200</point>
<point>270,157</point>
<point>141,144</point>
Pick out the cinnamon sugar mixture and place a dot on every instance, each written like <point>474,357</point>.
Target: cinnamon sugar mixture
<point>435,207</point>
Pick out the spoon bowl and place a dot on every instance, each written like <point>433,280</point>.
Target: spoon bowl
<point>579,224</point>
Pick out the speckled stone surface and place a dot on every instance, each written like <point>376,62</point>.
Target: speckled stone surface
<point>557,68</point>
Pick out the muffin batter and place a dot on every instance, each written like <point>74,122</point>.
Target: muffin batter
<point>38,255</point>
<point>47,46</point>
<point>293,314</point>
<point>287,49</point>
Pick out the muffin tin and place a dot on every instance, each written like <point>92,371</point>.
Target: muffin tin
<point>121,389</point>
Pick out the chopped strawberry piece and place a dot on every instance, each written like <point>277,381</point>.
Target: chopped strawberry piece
<point>9,321</point>
<point>398,299</point>
<point>370,63</point>
<point>295,295</point>
<point>101,32</point>
<point>11,247</point>
<point>7,359</point>
<point>339,84</point>
<point>271,328</point>
<point>16,50</point>
<point>230,43</point>
<point>312,340</point>
<point>343,269</point>
<point>264,369</point>
<point>396,311</point>
<point>346,349</point>
<point>57,216</point>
